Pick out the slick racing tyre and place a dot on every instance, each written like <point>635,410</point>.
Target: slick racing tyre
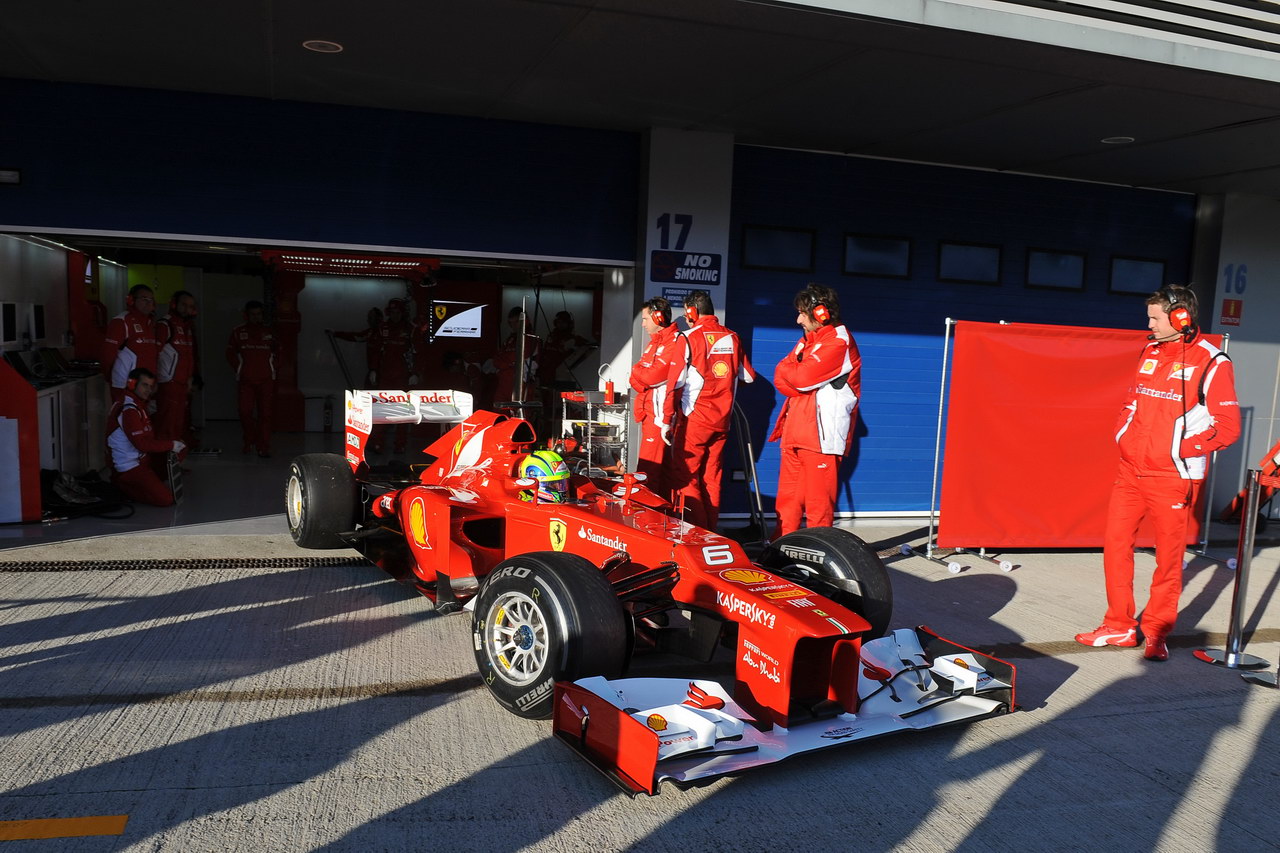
<point>836,565</point>
<point>541,618</point>
<point>321,500</point>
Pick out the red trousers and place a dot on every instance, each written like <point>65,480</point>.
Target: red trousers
<point>696,469</point>
<point>171,420</point>
<point>806,489</point>
<point>1169,503</point>
<point>256,428</point>
<point>651,459</point>
<point>143,484</point>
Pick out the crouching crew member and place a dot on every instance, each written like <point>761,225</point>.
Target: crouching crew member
<point>822,381</point>
<point>137,456</point>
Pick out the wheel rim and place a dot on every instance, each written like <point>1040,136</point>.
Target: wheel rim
<point>293,501</point>
<point>516,638</point>
<point>810,578</point>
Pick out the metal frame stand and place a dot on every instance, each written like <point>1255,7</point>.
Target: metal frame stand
<point>754,502</point>
<point>930,548</point>
<point>1234,657</point>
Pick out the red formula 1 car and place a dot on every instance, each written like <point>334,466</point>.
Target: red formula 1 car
<point>564,594</point>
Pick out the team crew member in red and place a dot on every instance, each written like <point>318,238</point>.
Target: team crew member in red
<point>369,337</point>
<point>130,340</point>
<point>822,381</point>
<point>134,448</point>
<point>251,352</point>
<point>503,362</point>
<point>176,368</point>
<point>716,363</point>
<point>1182,406</point>
<point>656,379</point>
<point>393,369</point>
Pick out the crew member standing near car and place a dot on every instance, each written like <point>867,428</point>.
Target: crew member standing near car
<point>251,352</point>
<point>176,368</point>
<point>393,369</point>
<point>1181,407</point>
<point>130,340</point>
<point>656,379</point>
<point>136,453</point>
<point>369,337</point>
<point>503,362</point>
<point>822,381</point>
<point>716,363</point>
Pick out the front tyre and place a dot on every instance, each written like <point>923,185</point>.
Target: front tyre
<point>321,500</point>
<point>836,565</point>
<point>545,617</point>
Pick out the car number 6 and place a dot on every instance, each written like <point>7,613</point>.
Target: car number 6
<point>716,555</point>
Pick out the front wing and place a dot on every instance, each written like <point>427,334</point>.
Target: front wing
<point>643,731</point>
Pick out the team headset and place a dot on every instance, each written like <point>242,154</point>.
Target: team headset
<point>818,310</point>
<point>1180,319</point>
<point>658,316</point>
<point>691,314</point>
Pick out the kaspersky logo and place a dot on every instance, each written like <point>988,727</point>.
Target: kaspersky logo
<point>748,610</point>
<point>559,532</point>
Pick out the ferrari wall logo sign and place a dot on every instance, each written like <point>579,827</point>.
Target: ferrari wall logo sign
<point>559,532</point>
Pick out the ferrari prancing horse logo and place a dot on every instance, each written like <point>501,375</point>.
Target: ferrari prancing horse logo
<point>441,311</point>
<point>559,533</point>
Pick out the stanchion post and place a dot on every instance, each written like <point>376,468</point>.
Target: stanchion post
<point>1234,656</point>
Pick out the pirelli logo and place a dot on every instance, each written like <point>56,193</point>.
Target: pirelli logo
<point>809,554</point>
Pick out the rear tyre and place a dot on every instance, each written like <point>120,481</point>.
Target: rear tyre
<point>541,618</point>
<point>321,500</point>
<point>836,565</point>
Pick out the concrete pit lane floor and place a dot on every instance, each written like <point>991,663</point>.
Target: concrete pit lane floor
<point>236,694</point>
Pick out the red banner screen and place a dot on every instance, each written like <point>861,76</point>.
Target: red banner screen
<point>1030,443</point>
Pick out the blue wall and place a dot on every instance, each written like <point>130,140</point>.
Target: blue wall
<point>111,159</point>
<point>899,324</point>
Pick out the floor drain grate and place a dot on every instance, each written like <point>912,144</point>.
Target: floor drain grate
<point>196,564</point>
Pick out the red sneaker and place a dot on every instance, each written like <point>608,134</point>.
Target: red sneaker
<point>1105,636</point>
<point>1156,649</point>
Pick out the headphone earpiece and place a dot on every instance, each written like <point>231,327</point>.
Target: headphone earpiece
<point>1180,319</point>
<point>820,312</point>
<point>128,300</point>
<point>130,384</point>
<point>658,317</point>
<point>691,314</point>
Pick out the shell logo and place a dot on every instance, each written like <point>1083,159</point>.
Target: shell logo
<point>744,576</point>
<point>418,523</point>
<point>720,369</point>
<point>657,722</point>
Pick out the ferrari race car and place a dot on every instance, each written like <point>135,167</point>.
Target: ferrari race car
<point>566,585</point>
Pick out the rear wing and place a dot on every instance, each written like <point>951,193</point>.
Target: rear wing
<point>364,409</point>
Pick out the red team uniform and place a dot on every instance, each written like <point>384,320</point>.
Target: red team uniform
<point>251,352</point>
<point>130,439</point>
<point>822,381</point>
<point>656,379</point>
<point>716,363</point>
<point>175,366</point>
<point>1182,406</point>
<point>130,342</point>
<point>394,366</point>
